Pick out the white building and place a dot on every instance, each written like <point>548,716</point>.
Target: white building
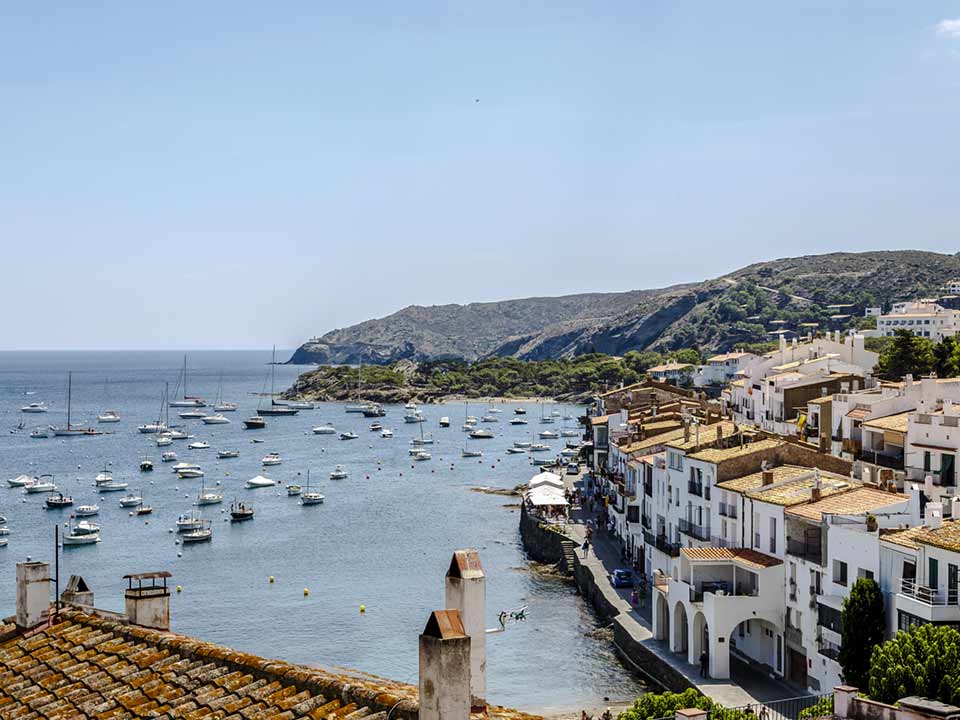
<point>672,372</point>
<point>721,369</point>
<point>924,319</point>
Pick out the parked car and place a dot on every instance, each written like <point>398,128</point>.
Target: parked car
<point>621,578</point>
<point>573,469</point>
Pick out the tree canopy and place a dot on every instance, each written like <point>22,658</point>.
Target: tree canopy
<point>924,661</point>
<point>861,622</point>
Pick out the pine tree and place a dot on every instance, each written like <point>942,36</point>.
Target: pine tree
<point>861,621</point>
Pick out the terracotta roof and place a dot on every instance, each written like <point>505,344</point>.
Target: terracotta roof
<point>820,400</point>
<point>652,441</point>
<point>90,667</point>
<point>791,485</point>
<point>668,367</point>
<point>896,423</point>
<point>708,435</point>
<point>717,455</point>
<point>905,538</point>
<point>727,356</point>
<point>853,502</point>
<point>744,555</point>
<point>859,413</point>
<point>600,419</point>
<point>947,536</point>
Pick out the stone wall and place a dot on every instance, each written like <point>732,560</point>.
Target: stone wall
<point>541,544</point>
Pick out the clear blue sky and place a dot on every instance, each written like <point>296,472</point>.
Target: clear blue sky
<point>238,174</point>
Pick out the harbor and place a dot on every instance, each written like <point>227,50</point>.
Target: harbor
<point>390,520</point>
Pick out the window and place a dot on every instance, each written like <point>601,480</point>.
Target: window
<point>926,461</point>
<point>773,535</point>
<point>839,572</point>
<point>864,574</point>
<point>932,575</point>
<point>909,570</point>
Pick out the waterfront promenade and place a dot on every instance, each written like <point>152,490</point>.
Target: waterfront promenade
<point>748,684</point>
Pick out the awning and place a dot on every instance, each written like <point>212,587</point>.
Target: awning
<point>546,495</point>
<point>546,479</point>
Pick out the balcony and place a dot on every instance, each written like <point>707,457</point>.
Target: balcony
<point>728,510</point>
<point>695,487</point>
<point>720,542</point>
<point>828,648</point>
<point>648,488</point>
<point>805,551</point>
<point>929,604</point>
<point>664,545</point>
<point>893,462</point>
<point>698,532</point>
<point>645,522</point>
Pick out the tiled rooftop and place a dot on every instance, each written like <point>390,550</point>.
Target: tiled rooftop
<point>718,455</point>
<point>744,555</point>
<point>791,485</point>
<point>905,538</point>
<point>653,441</point>
<point>896,423</point>
<point>708,435</point>
<point>947,536</point>
<point>91,667</point>
<point>853,502</point>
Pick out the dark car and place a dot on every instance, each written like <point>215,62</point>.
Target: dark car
<point>621,578</point>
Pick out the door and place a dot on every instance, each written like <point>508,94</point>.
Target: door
<point>951,584</point>
<point>946,469</point>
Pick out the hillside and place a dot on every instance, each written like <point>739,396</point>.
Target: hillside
<point>713,315</point>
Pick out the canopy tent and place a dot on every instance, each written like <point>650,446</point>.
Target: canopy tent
<point>546,479</point>
<point>545,495</point>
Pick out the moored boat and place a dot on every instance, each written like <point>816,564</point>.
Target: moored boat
<point>338,473</point>
<point>240,511</point>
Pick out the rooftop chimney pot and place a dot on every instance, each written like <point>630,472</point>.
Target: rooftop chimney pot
<point>33,594</point>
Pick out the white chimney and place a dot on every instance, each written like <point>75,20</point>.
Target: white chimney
<point>928,485</point>
<point>466,591</point>
<point>444,668</point>
<point>33,594</point>
<point>148,600</point>
<point>934,515</point>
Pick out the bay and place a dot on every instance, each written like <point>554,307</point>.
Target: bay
<point>382,539</point>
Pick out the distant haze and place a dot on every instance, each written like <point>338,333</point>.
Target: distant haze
<point>215,175</point>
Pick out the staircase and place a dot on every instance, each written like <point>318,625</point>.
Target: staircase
<point>566,563</point>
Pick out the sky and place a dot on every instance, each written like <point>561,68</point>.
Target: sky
<point>192,175</point>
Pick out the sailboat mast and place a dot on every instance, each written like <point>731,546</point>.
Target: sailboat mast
<point>69,396</point>
<point>184,377</point>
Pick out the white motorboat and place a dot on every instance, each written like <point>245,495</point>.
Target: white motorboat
<point>522,444</point>
<point>192,415</point>
<point>467,428</point>
<point>39,433</point>
<point>410,406</point>
<point>44,484</point>
<point>103,477</point>
<point>130,500</point>
<point>376,427</point>
<point>21,481</point>
<point>293,490</point>
<point>374,410</point>
<point>540,462</point>
<point>355,408</point>
<point>549,434</point>
<point>109,416</point>
<point>3,542</point>
<point>184,466</point>
<point>386,433</point>
<point>188,473</point>
<point>493,410</point>
<point>516,451</point>
<point>271,459</point>
<point>186,523</point>
<point>168,456</point>
<point>86,510</point>
<point>204,533</point>
<point>227,454</point>
<point>519,411</point>
<point>178,435</point>
<point>185,401</point>
<point>164,439</point>
<point>569,433</point>
<point>444,422</point>
<point>215,420</point>
<point>74,538</point>
<point>569,453</point>
<point>4,530</point>
<point>518,421</point>
<point>481,434</point>
<point>413,417</point>
<point>297,404</point>
<point>539,447</point>
<point>58,500</point>
<point>199,445</point>
<point>260,482</point>
<point>348,435</point>
<point>489,419</point>
<point>254,422</point>
<point>223,407</point>
<point>34,407</point>
<point>111,487</point>
<point>324,430</point>
<point>85,527</point>
<point>471,420</point>
<point>421,455</point>
<point>339,473</point>
<point>152,427</point>
<point>471,453</point>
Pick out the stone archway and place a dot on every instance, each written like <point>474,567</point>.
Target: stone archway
<point>661,617</point>
<point>699,638</point>
<point>679,640</point>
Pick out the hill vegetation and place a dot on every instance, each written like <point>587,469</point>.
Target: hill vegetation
<point>713,315</point>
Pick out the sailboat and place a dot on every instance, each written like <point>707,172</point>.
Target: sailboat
<point>72,430</point>
<point>274,408</point>
<point>359,406</point>
<point>256,422</point>
<point>159,425</point>
<point>186,400</point>
<point>308,496</point>
<point>108,416</point>
<point>220,405</point>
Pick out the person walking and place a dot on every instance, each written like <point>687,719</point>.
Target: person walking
<point>586,547</point>
<point>703,664</point>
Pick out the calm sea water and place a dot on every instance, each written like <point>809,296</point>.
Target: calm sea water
<point>383,538</point>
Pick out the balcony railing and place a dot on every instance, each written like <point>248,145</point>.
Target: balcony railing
<point>928,595</point>
<point>806,551</point>
<point>894,462</point>
<point>699,532</point>
<point>723,543</point>
<point>829,649</point>
<point>664,545</point>
<point>728,510</point>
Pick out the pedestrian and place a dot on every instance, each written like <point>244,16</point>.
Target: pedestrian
<point>703,664</point>
<point>586,547</point>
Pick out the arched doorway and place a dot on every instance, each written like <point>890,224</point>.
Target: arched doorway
<point>700,638</point>
<point>681,638</point>
<point>661,617</point>
<point>758,642</point>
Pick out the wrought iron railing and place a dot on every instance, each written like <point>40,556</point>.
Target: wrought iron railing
<point>699,532</point>
<point>928,595</point>
<point>787,709</point>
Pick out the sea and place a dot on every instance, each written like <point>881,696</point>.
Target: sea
<point>382,539</point>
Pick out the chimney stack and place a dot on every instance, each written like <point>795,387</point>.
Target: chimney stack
<point>815,492</point>
<point>686,431</point>
<point>767,476</point>
<point>719,431</point>
<point>466,591</point>
<point>148,605</point>
<point>33,594</point>
<point>444,668</point>
<point>77,592</point>
<point>934,515</point>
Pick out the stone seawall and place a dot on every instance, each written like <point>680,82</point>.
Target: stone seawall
<point>629,635</point>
